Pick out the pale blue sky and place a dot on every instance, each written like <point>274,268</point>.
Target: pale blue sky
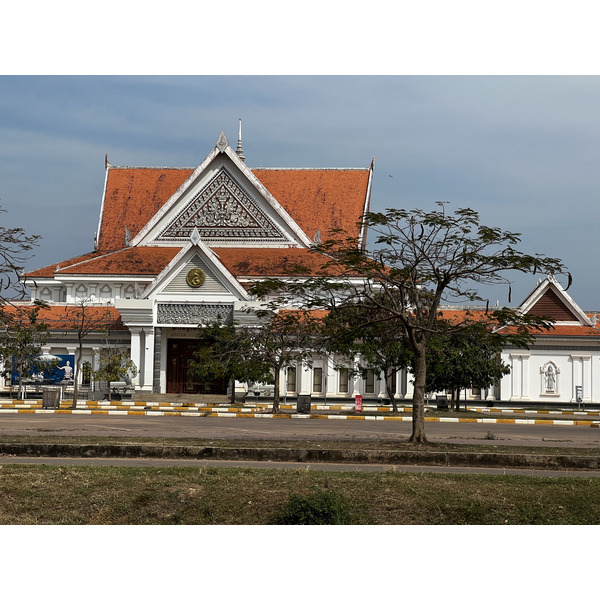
<point>520,150</point>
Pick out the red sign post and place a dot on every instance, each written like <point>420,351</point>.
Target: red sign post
<point>358,403</point>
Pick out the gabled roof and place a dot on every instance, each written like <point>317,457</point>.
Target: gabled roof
<point>316,199</point>
<point>550,300</point>
<point>189,255</point>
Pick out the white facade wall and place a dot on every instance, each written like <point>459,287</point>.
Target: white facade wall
<point>574,366</point>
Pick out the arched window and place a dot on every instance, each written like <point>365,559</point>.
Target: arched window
<point>46,294</point>
<point>81,292</point>
<point>105,292</point>
<point>129,291</point>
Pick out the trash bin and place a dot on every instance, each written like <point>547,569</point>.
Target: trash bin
<point>51,397</point>
<point>442,402</point>
<point>303,405</point>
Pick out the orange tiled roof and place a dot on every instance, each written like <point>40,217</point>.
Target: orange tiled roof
<point>317,199</point>
<point>566,331</point>
<point>49,270</point>
<point>133,196</point>
<point>269,262</point>
<point>575,330</point>
<point>138,260</point>
<point>61,317</point>
<point>152,260</point>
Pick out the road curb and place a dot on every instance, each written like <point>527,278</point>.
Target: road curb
<point>151,412</point>
<point>312,455</point>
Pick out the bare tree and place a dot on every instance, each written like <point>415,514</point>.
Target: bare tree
<point>15,250</point>
<point>21,343</point>
<point>86,318</point>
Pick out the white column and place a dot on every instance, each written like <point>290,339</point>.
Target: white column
<point>587,378</point>
<point>525,376</point>
<point>400,373</point>
<point>381,382</point>
<point>582,375</point>
<point>515,377</point>
<point>330,377</point>
<point>355,384</point>
<point>136,355</point>
<point>305,379</point>
<point>410,388</point>
<point>148,381</point>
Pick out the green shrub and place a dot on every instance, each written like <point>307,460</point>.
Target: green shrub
<point>317,508</point>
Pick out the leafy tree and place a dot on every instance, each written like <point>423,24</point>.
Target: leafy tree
<point>469,358</point>
<point>225,353</point>
<point>260,349</point>
<point>114,364</point>
<point>21,344</point>
<point>377,347</point>
<point>419,261</point>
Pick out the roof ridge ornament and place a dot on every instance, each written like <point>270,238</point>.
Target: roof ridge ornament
<point>222,142</point>
<point>239,151</point>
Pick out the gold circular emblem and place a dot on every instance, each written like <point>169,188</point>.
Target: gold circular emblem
<point>195,277</point>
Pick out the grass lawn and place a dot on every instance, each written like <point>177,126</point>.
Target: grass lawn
<point>200,495</point>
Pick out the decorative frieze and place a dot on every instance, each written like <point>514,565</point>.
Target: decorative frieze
<point>188,314</point>
<point>223,210</point>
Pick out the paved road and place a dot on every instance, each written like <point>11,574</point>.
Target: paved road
<point>309,429</point>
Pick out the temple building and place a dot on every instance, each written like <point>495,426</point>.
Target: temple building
<point>176,247</point>
<point>179,247</point>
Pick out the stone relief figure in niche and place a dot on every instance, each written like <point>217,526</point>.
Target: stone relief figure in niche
<point>550,375</point>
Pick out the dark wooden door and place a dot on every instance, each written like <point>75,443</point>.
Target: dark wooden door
<point>180,375</point>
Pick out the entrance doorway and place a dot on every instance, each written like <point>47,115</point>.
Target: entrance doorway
<point>180,375</point>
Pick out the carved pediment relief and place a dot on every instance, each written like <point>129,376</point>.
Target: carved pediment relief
<point>222,210</point>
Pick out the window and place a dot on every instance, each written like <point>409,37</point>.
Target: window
<point>81,292</point>
<point>129,292</point>
<point>291,379</point>
<point>86,371</point>
<point>370,382</point>
<point>46,294</point>
<point>105,292</point>
<point>318,379</point>
<point>343,385</point>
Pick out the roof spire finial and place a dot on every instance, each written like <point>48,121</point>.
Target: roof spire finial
<point>239,150</point>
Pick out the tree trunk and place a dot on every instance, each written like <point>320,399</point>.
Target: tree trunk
<point>389,392</point>
<point>232,390</point>
<point>418,416</point>
<point>276,409</point>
